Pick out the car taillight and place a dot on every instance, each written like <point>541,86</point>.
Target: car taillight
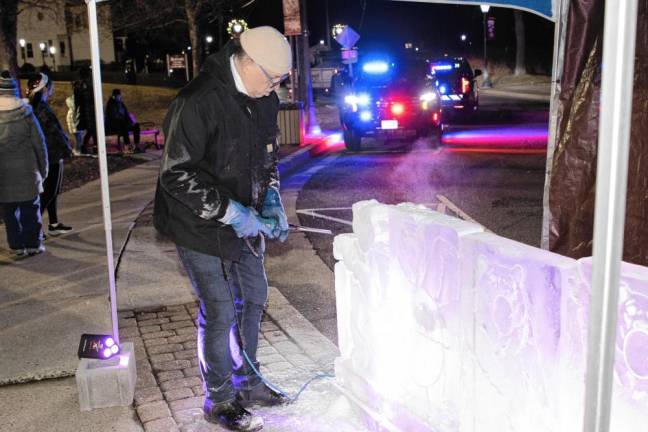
<point>397,109</point>
<point>465,85</point>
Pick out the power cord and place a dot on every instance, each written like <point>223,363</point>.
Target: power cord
<point>263,379</point>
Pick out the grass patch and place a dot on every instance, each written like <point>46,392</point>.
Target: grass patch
<point>146,102</point>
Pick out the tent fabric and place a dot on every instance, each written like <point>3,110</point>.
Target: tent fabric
<point>545,8</point>
<point>572,184</point>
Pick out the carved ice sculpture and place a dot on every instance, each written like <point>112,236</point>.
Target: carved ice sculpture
<point>445,328</point>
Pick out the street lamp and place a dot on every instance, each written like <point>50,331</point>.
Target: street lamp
<point>22,43</point>
<point>486,82</point>
<point>236,26</point>
<point>463,38</point>
<point>209,39</point>
<point>52,51</point>
<point>42,49</point>
<point>337,29</point>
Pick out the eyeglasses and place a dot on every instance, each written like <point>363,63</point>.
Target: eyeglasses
<point>272,82</point>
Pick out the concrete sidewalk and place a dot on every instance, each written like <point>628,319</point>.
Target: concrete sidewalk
<point>48,300</point>
<point>538,92</point>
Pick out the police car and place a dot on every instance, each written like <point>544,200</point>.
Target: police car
<point>389,100</point>
<point>455,80</point>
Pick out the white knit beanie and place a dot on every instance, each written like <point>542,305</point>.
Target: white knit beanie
<point>268,48</point>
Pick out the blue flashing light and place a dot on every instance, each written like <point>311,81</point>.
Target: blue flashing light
<point>363,99</point>
<point>365,116</point>
<point>441,67</point>
<point>443,89</point>
<point>376,67</point>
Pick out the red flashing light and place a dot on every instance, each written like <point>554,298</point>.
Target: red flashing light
<point>435,117</point>
<point>465,85</point>
<point>397,109</point>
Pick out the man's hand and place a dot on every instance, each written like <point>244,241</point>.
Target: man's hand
<point>273,208</point>
<point>246,222</point>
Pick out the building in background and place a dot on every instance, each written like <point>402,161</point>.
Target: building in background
<point>56,35</point>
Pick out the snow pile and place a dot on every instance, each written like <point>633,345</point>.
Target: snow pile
<point>443,327</point>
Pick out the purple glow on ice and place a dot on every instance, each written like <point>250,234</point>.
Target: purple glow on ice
<point>123,361</point>
<point>533,136</point>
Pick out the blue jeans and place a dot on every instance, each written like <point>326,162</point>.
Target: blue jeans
<point>23,224</point>
<point>224,369</point>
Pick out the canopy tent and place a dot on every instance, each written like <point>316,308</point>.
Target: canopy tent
<point>614,123</point>
<point>103,161</point>
<point>549,9</point>
<point>613,148</point>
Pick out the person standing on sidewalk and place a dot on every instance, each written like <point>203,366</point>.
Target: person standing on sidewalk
<point>217,198</point>
<point>84,102</point>
<point>72,119</point>
<point>23,166</point>
<point>39,89</point>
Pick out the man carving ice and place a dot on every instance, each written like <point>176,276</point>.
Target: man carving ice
<point>218,199</point>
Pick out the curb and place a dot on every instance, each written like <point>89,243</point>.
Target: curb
<point>294,161</point>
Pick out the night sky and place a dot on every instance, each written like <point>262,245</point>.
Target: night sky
<point>435,27</point>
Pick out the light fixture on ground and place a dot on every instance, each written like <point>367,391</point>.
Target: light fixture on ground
<point>486,82</point>
<point>100,347</point>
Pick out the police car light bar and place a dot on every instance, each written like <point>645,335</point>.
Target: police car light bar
<point>377,67</point>
<point>441,67</point>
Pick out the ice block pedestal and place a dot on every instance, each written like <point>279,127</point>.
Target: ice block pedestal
<point>107,383</point>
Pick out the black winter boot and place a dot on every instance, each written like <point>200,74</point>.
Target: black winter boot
<point>262,395</point>
<point>232,416</point>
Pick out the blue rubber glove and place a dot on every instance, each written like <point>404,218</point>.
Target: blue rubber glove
<point>246,221</point>
<point>273,208</point>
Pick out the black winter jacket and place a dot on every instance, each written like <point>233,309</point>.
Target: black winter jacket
<point>58,145</point>
<point>220,145</point>
<point>117,115</point>
<point>84,102</point>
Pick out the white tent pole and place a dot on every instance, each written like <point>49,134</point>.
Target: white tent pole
<point>560,15</point>
<point>103,163</point>
<point>619,38</point>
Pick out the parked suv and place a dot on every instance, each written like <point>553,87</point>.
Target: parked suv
<point>389,99</point>
<point>455,80</point>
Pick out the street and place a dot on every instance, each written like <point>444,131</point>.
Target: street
<point>497,181</point>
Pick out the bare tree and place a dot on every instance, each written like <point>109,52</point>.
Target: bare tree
<point>202,13</point>
<point>520,46</point>
<point>8,29</point>
<point>199,15</point>
<point>9,11</point>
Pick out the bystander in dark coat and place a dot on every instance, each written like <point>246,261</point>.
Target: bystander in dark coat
<point>23,166</point>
